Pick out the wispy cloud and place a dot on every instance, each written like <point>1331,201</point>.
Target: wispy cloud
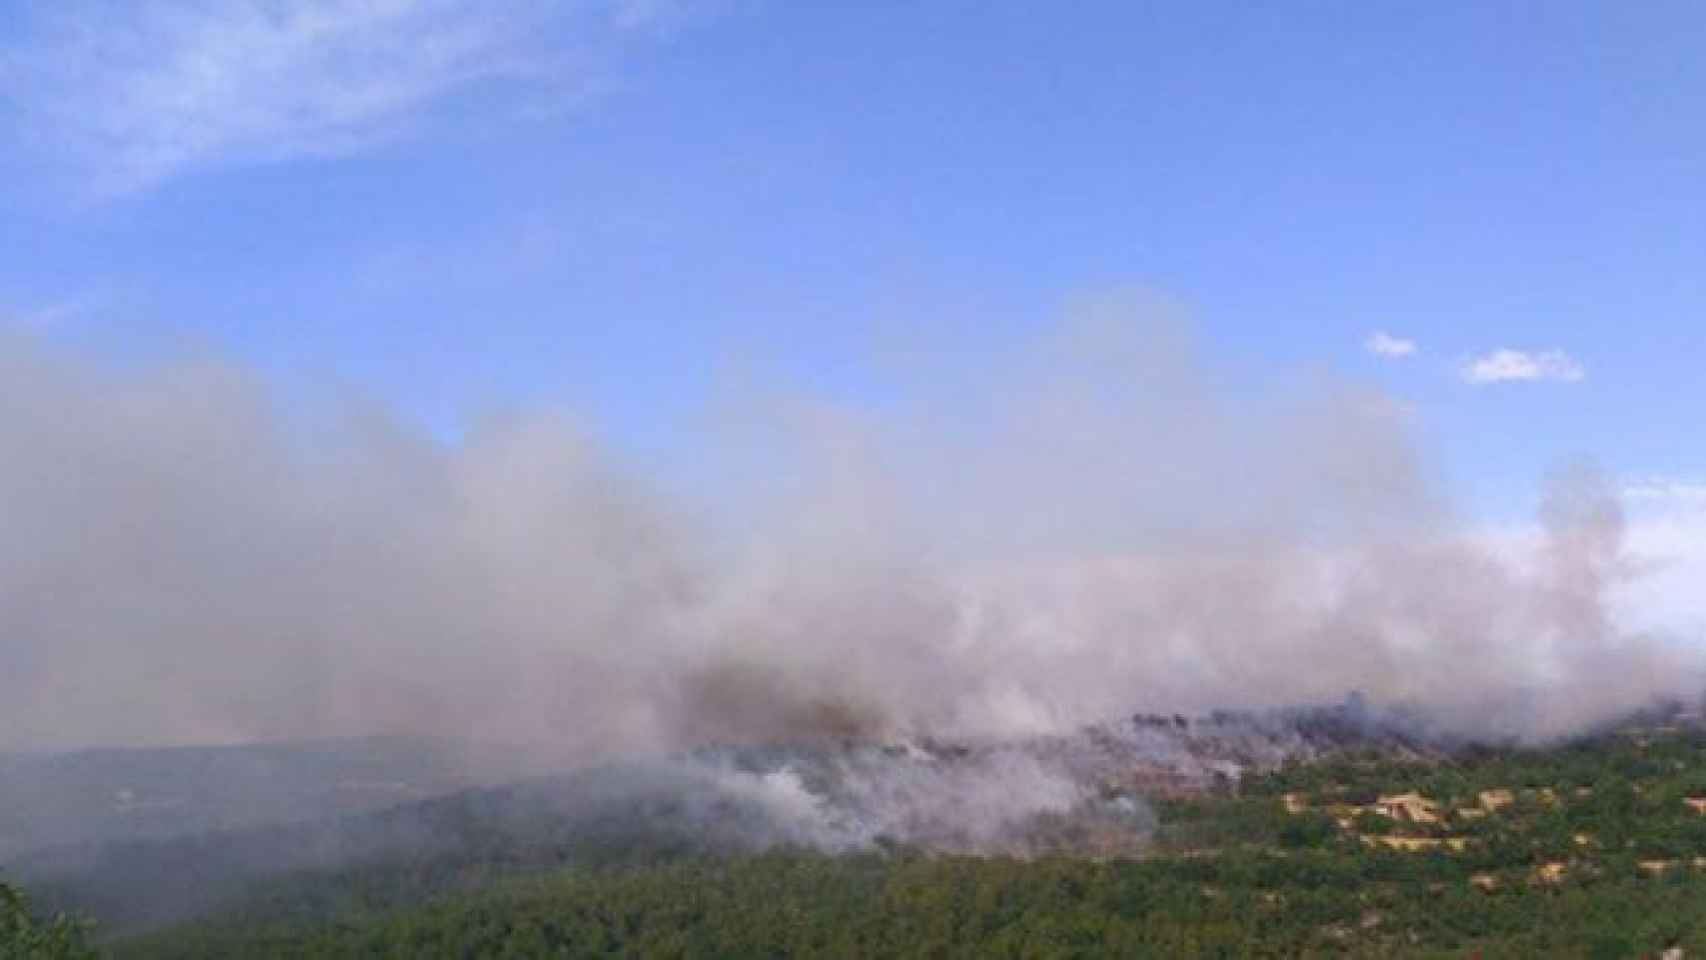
<point>1504,365</point>
<point>1385,344</point>
<point>50,314</point>
<point>1664,491</point>
<point>130,94</point>
<point>1382,408</point>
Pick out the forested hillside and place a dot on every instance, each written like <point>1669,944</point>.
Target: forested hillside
<point>1589,849</point>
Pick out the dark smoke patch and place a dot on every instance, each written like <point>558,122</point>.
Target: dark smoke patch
<point>734,702</point>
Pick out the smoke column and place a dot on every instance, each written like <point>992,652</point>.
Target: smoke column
<point>1089,528</point>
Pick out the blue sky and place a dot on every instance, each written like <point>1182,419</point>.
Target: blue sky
<point>599,204</point>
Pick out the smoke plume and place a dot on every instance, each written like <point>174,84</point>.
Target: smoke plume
<point>1093,527</point>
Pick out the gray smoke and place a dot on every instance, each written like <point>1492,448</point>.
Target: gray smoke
<point>1093,527</point>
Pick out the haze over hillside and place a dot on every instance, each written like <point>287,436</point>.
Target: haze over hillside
<point>90,829</point>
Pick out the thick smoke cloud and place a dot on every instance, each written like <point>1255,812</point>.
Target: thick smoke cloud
<point>1088,529</point>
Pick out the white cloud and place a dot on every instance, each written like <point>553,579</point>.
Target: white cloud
<point>1506,365</point>
<point>1385,344</point>
<point>130,94</point>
